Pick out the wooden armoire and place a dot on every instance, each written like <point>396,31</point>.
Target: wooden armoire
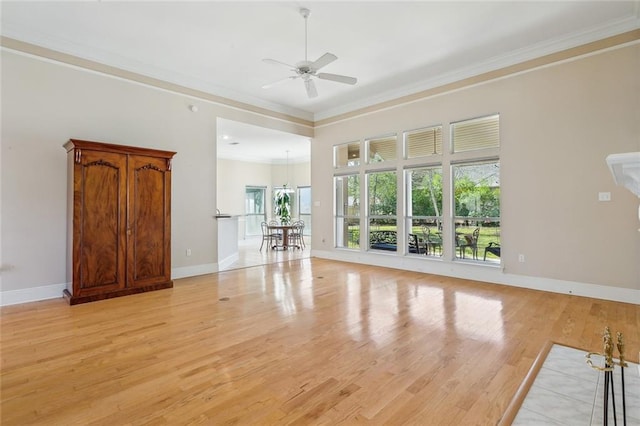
<point>119,240</point>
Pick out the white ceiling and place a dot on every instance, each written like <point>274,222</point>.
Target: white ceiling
<point>393,48</point>
<point>240,141</point>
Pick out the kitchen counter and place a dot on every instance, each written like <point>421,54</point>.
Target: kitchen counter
<point>227,239</point>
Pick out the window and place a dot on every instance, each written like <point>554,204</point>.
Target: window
<point>423,142</point>
<point>478,133</point>
<point>381,149</point>
<point>424,210</point>
<point>346,155</point>
<point>476,190</point>
<point>347,191</point>
<point>254,209</point>
<point>477,208</point>
<point>458,171</point>
<point>382,196</point>
<point>304,207</point>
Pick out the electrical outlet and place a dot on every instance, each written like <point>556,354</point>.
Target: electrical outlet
<point>521,258</point>
<point>604,196</point>
<point>188,252</point>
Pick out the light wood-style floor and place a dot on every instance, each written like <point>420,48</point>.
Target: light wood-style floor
<point>308,341</point>
<point>249,253</point>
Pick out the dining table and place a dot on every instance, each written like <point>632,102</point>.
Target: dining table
<point>285,235</point>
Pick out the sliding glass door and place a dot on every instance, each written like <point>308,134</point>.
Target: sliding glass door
<point>304,207</point>
<point>255,212</point>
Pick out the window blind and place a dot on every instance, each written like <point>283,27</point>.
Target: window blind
<point>478,133</point>
<point>382,149</point>
<point>423,142</point>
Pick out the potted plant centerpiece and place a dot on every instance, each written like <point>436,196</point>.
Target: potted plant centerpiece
<point>283,205</point>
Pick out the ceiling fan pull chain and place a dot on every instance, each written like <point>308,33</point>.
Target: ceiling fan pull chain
<point>305,13</point>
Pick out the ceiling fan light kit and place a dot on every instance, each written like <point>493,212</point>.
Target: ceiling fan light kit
<point>307,69</point>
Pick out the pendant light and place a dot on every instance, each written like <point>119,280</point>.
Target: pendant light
<point>285,189</point>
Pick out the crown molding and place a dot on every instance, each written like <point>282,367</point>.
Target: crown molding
<point>189,87</point>
<point>555,51</point>
<point>605,36</point>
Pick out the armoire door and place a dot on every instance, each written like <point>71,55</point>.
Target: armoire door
<point>100,191</point>
<point>149,227</point>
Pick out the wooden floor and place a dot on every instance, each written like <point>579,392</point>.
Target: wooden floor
<point>249,253</point>
<point>304,342</point>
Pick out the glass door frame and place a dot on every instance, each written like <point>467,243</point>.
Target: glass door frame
<point>249,223</point>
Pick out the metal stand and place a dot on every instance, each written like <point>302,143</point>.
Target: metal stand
<point>608,369</point>
<point>623,365</point>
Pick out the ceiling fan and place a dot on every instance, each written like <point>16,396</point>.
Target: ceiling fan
<point>306,69</point>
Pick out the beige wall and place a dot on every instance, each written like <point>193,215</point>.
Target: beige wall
<point>44,104</point>
<point>557,126</point>
<point>234,176</point>
<point>294,175</point>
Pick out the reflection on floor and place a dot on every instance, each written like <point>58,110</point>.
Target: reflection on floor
<point>250,254</point>
<point>567,391</point>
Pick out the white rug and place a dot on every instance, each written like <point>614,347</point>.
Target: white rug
<point>566,392</point>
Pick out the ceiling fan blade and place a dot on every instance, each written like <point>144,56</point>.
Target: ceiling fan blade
<point>338,78</point>
<point>276,83</point>
<point>311,88</point>
<point>323,60</point>
<point>275,62</point>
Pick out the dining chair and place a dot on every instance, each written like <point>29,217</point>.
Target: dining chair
<point>302,225</point>
<point>432,241</point>
<point>266,235</point>
<point>296,238</point>
<point>269,236</point>
<point>276,232</point>
<point>470,241</point>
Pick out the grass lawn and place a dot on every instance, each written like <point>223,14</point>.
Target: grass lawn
<point>486,236</point>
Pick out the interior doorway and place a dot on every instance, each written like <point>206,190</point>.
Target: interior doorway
<point>252,162</point>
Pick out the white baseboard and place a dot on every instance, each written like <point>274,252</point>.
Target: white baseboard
<point>225,263</point>
<point>195,270</point>
<point>53,291</point>
<point>32,294</point>
<point>490,274</point>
